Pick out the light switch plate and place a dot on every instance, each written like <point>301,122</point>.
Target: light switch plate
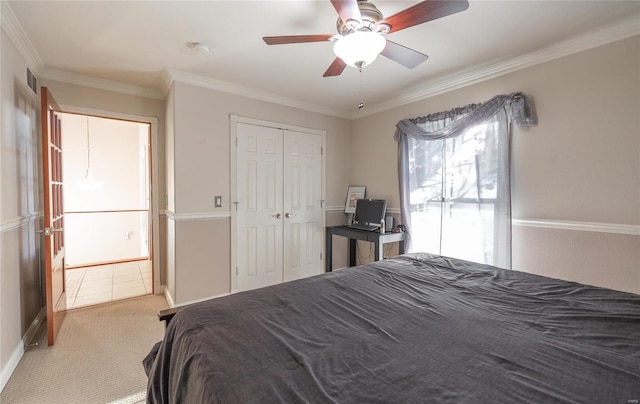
<point>218,201</point>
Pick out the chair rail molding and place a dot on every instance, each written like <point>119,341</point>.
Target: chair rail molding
<point>18,222</point>
<point>195,215</point>
<point>614,228</point>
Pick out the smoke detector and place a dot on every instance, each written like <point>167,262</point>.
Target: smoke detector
<point>198,47</point>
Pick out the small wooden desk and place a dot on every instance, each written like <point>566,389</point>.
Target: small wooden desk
<point>379,239</point>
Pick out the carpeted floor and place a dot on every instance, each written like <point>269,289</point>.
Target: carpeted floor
<point>97,357</point>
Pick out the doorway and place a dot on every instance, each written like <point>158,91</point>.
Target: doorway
<point>107,197</point>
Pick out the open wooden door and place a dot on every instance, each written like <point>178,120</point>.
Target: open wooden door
<point>53,214</point>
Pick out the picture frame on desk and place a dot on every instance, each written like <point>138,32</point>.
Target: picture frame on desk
<point>353,194</point>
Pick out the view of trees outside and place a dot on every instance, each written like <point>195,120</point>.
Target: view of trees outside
<point>453,190</point>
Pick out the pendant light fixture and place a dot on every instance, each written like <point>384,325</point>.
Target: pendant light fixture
<point>89,183</point>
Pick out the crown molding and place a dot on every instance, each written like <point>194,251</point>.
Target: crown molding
<point>487,71</point>
<point>88,81</point>
<point>12,27</point>
<point>14,30</point>
<point>212,84</point>
<point>167,81</point>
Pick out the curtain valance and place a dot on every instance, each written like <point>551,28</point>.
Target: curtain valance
<point>521,114</point>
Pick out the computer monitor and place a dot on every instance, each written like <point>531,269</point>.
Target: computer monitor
<point>370,211</point>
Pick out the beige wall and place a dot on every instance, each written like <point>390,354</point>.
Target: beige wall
<point>201,157</point>
<point>202,125</point>
<point>580,164</point>
<point>597,258</point>
<point>20,209</point>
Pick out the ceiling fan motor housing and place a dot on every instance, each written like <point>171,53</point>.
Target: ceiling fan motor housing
<point>370,17</point>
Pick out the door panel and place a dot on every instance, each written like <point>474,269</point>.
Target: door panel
<point>55,289</point>
<point>303,229</point>
<point>259,218</point>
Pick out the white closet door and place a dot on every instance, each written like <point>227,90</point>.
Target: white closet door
<point>302,205</point>
<point>259,163</point>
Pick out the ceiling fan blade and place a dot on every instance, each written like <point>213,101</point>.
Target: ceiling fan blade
<point>403,55</point>
<point>282,40</point>
<point>348,10</point>
<point>336,68</point>
<point>424,11</point>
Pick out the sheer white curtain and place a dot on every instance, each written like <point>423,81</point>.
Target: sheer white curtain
<point>454,180</point>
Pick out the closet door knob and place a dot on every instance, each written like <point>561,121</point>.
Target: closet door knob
<point>288,215</point>
<point>277,216</point>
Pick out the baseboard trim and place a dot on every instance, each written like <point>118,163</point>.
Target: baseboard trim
<point>172,303</point>
<point>11,365</point>
<point>18,353</point>
<point>167,295</point>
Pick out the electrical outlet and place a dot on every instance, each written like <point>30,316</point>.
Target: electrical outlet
<point>218,201</point>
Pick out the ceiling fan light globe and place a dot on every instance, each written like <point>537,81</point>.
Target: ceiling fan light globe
<point>361,47</point>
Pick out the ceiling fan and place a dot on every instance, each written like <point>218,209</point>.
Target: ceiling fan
<point>362,29</point>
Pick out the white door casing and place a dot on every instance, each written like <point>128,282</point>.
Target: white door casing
<point>278,190</point>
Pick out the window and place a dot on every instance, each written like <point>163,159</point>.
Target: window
<point>454,179</point>
<point>454,204</point>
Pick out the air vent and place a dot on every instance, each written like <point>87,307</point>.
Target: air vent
<point>32,81</point>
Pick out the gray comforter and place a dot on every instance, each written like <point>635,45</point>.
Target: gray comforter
<point>414,329</point>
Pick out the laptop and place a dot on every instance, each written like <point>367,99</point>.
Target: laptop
<point>369,214</point>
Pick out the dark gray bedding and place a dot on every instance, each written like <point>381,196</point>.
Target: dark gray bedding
<point>414,329</point>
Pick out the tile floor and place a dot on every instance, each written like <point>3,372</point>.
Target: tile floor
<point>104,283</point>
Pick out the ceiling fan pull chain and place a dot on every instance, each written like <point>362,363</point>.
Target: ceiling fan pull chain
<point>361,105</point>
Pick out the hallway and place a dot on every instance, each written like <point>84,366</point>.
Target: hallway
<point>88,286</point>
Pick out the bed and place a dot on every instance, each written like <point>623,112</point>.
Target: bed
<point>411,329</point>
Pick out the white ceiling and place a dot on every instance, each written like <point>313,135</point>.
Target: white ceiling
<point>134,42</point>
